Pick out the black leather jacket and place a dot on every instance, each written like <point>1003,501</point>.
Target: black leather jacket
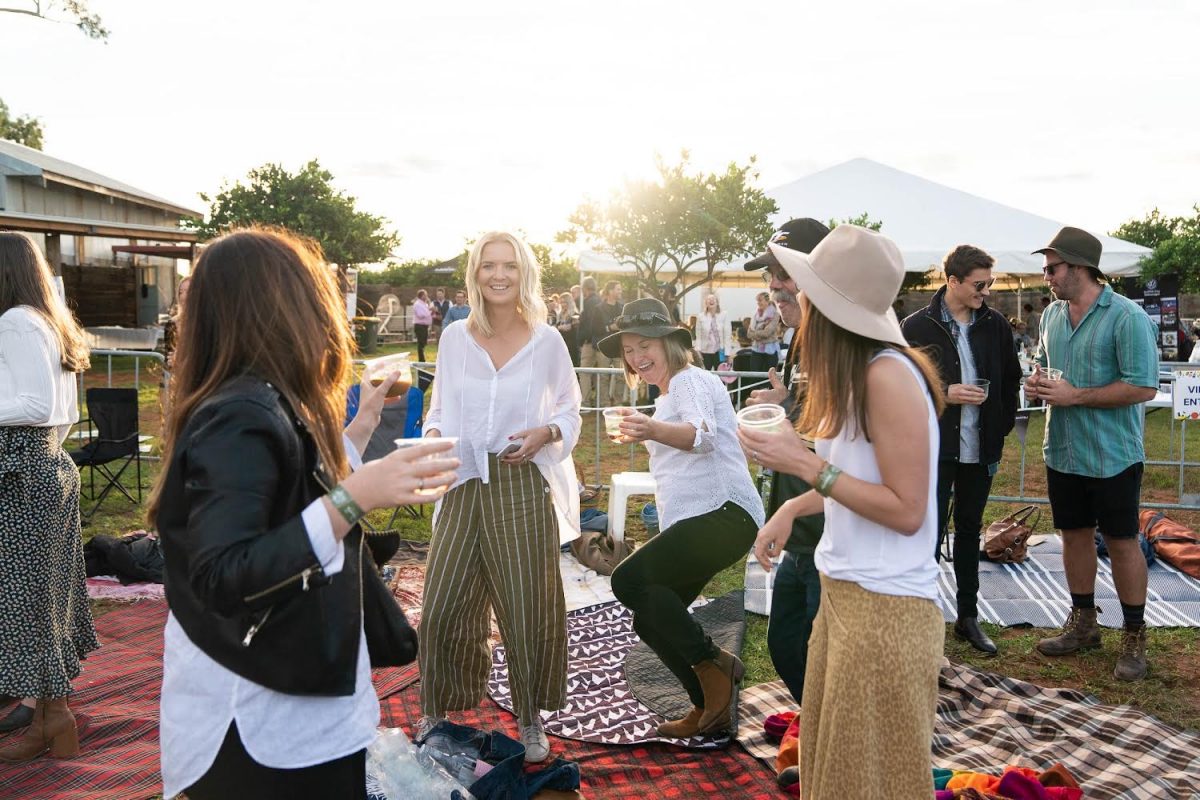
<point>995,357</point>
<point>241,576</point>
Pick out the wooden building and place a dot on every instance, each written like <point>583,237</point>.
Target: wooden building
<point>118,249</point>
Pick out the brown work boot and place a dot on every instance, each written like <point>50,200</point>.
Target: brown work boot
<point>684,728</point>
<point>1131,665</point>
<point>53,728</point>
<point>718,679</point>
<point>1079,632</point>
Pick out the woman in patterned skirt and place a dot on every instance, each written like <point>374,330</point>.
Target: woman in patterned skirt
<point>45,621</point>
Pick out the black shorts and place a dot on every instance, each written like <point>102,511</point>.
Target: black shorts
<point>1109,504</point>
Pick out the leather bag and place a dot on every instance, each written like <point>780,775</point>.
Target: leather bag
<point>1007,540</point>
<point>391,641</point>
<point>599,551</point>
<point>1173,542</point>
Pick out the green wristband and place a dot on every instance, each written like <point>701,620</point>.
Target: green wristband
<point>344,503</point>
<point>826,478</point>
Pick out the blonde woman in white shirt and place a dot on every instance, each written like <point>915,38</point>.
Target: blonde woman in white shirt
<point>505,387</point>
<point>870,689</point>
<point>708,509</point>
<point>45,621</point>
<point>713,334</point>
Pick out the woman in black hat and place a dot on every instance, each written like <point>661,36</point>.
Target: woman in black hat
<point>707,507</point>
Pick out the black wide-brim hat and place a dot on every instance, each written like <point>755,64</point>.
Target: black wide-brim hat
<point>646,317</point>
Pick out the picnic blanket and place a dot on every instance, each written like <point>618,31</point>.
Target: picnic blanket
<point>1035,592</point>
<point>655,686</point>
<point>601,707</point>
<point>624,772</point>
<point>987,721</point>
<point>116,704</point>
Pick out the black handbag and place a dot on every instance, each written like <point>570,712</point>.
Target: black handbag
<point>391,641</point>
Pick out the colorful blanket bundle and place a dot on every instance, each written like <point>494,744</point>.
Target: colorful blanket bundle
<point>1016,783</point>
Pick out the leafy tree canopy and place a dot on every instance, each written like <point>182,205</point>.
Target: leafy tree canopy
<point>305,202</point>
<point>22,130</point>
<point>1176,244</point>
<point>75,12</point>
<point>680,226</point>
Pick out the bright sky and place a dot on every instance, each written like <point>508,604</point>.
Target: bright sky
<point>456,117</point>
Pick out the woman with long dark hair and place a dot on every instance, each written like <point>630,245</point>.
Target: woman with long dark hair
<point>506,389</point>
<point>275,607</point>
<point>872,406</point>
<point>45,620</point>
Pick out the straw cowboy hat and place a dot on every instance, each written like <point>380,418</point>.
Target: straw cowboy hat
<point>647,317</point>
<point>852,277</point>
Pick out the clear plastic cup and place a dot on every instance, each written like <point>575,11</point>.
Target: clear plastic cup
<point>982,383</point>
<point>612,422</point>
<point>451,453</point>
<point>1049,374</point>
<point>376,370</point>
<point>766,417</point>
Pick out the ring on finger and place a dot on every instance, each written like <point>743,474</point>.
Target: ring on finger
<point>754,454</point>
<point>420,484</point>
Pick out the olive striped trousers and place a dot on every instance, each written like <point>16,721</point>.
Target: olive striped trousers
<point>494,548</point>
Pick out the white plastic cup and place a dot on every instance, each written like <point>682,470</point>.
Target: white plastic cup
<point>612,422</point>
<point>765,417</point>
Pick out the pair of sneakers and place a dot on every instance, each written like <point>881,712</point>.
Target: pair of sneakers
<point>533,736</point>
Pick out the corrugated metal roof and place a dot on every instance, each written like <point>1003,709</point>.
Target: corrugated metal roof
<point>49,166</point>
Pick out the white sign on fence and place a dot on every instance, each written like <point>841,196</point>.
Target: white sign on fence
<point>1186,396</point>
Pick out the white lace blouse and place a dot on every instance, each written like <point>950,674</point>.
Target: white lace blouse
<point>483,406</point>
<point>714,471</point>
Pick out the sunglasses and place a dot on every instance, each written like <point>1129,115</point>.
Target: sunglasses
<point>1050,269</point>
<point>979,286</point>
<point>630,320</point>
<point>774,274</point>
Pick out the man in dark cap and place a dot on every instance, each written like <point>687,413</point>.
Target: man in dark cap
<point>796,593</point>
<point>1097,363</point>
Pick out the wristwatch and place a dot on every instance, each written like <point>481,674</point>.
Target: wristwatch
<point>555,433</point>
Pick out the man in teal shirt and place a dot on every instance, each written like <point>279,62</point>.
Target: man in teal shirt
<point>1106,348</point>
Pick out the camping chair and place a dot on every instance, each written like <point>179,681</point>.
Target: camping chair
<point>388,311</point>
<point>115,415</point>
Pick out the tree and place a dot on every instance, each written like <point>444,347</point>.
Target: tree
<point>670,226</point>
<point>76,11</point>
<point>304,202</point>
<point>912,280</point>
<point>1176,244</point>
<point>22,130</point>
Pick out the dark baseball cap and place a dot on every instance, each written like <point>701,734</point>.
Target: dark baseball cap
<point>803,234</point>
<point>1075,246</point>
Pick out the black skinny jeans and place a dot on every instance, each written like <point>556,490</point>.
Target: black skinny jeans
<point>665,575</point>
<point>970,485</point>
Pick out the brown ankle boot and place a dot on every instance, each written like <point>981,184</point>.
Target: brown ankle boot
<point>53,728</point>
<point>718,679</point>
<point>684,728</point>
<point>1079,632</point>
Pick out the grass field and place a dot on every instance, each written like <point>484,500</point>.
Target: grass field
<point>1171,691</point>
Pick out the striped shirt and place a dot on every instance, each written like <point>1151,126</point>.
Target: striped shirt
<point>1115,341</point>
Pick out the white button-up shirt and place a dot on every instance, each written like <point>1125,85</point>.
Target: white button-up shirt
<point>483,406</point>
<point>34,388</point>
<point>200,698</point>
<point>714,472</point>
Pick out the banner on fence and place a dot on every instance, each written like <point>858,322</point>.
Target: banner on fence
<point>1186,394</point>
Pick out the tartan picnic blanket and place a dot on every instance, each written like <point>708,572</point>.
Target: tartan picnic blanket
<point>1035,592</point>
<point>987,721</point>
<point>116,705</point>
<point>620,772</point>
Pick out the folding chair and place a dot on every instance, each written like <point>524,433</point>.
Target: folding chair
<point>114,412</point>
<point>388,311</point>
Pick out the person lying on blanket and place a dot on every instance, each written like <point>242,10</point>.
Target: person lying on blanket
<point>708,509</point>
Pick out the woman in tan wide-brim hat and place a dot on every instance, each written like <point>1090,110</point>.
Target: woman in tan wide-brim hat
<point>871,686</point>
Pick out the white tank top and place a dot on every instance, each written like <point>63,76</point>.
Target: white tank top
<point>874,556</point>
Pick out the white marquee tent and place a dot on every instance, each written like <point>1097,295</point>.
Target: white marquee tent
<point>924,218</point>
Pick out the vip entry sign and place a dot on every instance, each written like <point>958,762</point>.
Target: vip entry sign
<point>1186,396</point>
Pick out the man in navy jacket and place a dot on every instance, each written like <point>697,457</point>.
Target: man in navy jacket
<point>973,347</point>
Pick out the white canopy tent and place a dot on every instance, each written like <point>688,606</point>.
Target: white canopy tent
<point>925,219</point>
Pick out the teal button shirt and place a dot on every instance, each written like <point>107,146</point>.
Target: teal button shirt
<point>1115,341</point>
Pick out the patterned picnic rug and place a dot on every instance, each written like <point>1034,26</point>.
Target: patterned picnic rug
<point>987,721</point>
<point>601,707</point>
<point>647,771</point>
<point>1035,592</point>
<point>116,704</point>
